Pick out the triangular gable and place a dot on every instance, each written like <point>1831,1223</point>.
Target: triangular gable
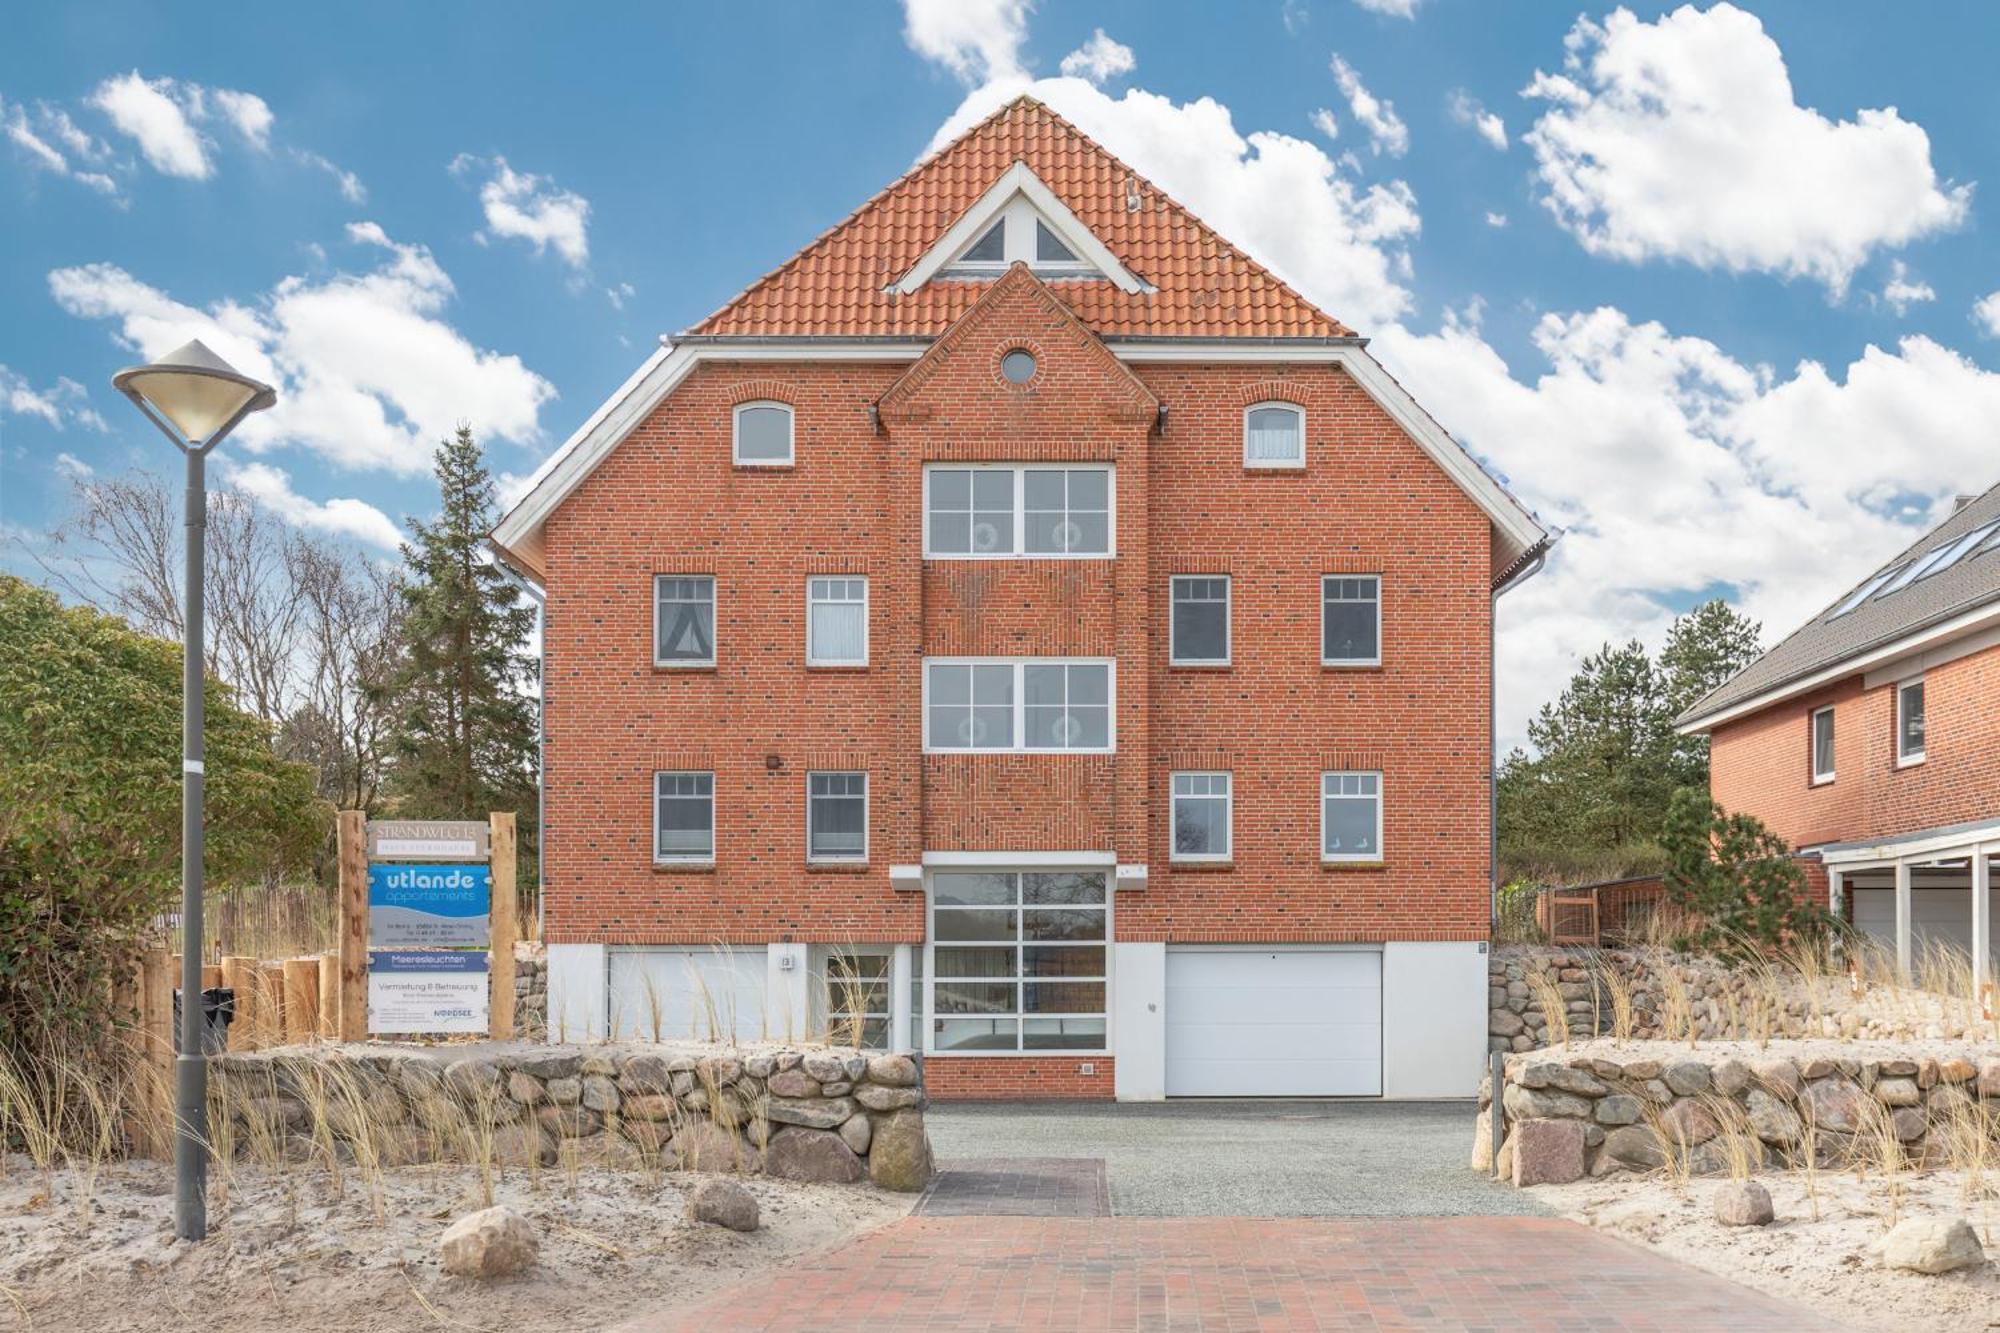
<point>1020,185</point>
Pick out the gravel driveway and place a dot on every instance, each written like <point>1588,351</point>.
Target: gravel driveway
<point>1247,1158</point>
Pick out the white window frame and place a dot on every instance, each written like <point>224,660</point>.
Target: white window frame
<point>856,952</point>
<point>1326,661</point>
<point>1174,799</point>
<point>1017,221</point>
<point>815,661</point>
<point>1174,657</point>
<point>1910,759</point>
<point>1381,802</point>
<point>867,813</point>
<point>927,1014</point>
<point>736,434</point>
<point>684,858</point>
<point>1821,776</point>
<point>1020,706</point>
<point>714,626</point>
<point>1264,464</point>
<point>1019,550</point>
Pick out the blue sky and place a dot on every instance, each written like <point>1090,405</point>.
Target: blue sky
<point>1702,298</point>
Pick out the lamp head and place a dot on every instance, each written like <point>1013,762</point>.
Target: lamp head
<point>194,390</point>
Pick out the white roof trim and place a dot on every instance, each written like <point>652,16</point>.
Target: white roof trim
<point>972,224</point>
<point>520,531</point>
<point>1984,838</point>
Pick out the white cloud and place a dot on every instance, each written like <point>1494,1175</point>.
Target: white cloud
<point>1294,15</point>
<point>1986,314</point>
<point>51,139</point>
<point>1324,122</point>
<point>356,520</point>
<point>368,371</point>
<point>1280,198</point>
<point>1386,131</point>
<point>1467,110</point>
<point>1902,291</point>
<point>63,404</point>
<point>158,115</point>
<point>249,113</point>
<point>531,208</point>
<point>979,41</point>
<point>1099,59</point>
<point>350,186</point>
<point>69,465</point>
<point>619,293</point>
<point>1400,9</point>
<point>1496,219</point>
<point>1682,140</point>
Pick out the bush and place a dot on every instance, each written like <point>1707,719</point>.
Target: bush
<point>1734,880</point>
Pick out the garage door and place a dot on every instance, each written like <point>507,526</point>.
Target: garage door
<point>1274,1023</point>
<point>662,994</point>
<point>1936,915</point>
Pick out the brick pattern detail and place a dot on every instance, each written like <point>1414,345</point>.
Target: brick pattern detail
<point>1017,1078</point>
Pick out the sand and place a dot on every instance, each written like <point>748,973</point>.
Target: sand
<point>285,1252</point>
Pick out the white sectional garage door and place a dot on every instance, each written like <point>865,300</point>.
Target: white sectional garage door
<point>1274,1022</point>
<point>665,993</point>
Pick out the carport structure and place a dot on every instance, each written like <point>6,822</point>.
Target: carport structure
<point>1934,885</point>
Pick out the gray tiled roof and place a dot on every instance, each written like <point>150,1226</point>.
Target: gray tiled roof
<point>1826,640</point>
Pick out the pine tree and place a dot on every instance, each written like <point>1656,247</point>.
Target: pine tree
<point>461,693</point>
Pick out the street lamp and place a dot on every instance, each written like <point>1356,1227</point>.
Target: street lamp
<point>195,398</point>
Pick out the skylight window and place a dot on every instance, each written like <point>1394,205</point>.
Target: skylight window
<point>1863,593</point>
<point>1960,549</point>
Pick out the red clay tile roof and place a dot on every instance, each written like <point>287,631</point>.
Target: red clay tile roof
<point>1205,287</point>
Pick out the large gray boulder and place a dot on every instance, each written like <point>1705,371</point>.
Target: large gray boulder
<point>816,1155</point>
<point>899,1158</point>
<point>492,1242</point>
<point>1930,1245</point>
<point>724,1203</point>
<point>705,1146</point>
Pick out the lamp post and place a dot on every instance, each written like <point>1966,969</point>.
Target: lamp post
<point>195,398</point>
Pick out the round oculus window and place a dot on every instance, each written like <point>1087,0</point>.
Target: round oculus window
<point>1018,366</point>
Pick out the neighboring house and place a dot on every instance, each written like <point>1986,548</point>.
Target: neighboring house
<point>1870,741</point>
<point>1022,627</point>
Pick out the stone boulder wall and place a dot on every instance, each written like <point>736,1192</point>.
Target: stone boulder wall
<point>829,1114</point>
<point>1645,1105</point>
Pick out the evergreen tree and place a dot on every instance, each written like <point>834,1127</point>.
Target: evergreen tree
<point>460,694</point>
<point>1705,647</point>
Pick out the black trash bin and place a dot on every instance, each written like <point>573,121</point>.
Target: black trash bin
<point>218,1011</point>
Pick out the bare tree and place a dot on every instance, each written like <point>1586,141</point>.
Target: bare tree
<point>348,625</point>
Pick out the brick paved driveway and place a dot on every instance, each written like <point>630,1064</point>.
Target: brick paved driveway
<point>972,1274</point>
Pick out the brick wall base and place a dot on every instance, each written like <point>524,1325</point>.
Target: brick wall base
<point>1011,1078</point>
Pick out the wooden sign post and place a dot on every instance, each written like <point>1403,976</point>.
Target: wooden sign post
<point>353,1020</point>
<point>504,927</point>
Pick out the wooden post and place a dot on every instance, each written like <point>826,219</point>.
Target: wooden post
<point>503,926</point>
<point>156,1025</point>
<point>329,996</point>
<point>239,974</point>
<point>301,1000</point>
<point>353,926</point>
<point>271,1003</point>
<point>211,975</point>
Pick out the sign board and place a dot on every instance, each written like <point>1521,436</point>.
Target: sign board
<point>429,990</point>
<point>427,840</point>
<point>428,906</point>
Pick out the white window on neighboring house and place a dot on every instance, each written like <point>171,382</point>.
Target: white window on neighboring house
<point>1822,744</point>
<point>836,621</point>
<point>1017,961</point>
<point>1350,819</point>
<point>1002,511</point>
<point>1029,704</point>
<point>1350,620</point>
<point>763,435</point>
<point>837,817</point>
<point>1198,629</point>
<point>857,998</point>
<point>684,620</point>
<point>1274,435</point>
<point>1202,816</point>
<point>1910,722</point>
<point>684,817</point>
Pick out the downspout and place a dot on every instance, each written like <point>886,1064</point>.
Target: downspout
<point>540,599</point>
<point>1523,571</point>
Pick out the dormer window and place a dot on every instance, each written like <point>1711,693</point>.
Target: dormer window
<point>990,248</point>
<point>1049,248</point>
<point>763,435</point>
<point>1021,235</point>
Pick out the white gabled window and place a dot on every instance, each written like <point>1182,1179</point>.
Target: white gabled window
<point>762,435</point>
<point>684,620</point>
<point>1350,620</point>
<point>836,621</point>
<point>1274,435</point>
<point>1350,816</point>
<point>1822,744</point>
<point>1020,235</point>
<point>1000,511</point>
<point>1002,705</point>
<point>684,817</point>
<point>1203,811</point>
<point>1910,721</point>
<point>1017,960</point>
<point>1198,620</point>
<point>836,816</point>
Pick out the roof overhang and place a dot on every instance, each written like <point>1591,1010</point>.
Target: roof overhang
<point>1517,533</point>
<point>1980,837</point>
<point>1019,180</point>
<point>1930,645</point>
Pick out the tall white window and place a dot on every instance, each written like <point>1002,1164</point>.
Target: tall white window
<point>1910,721</point>
<point>836,622</point>
<point>1031,704</point>
<point>1350,816</point>
<point>836,816</point>
<point>684,817</point>
<point>1822,744</point>
<point>684,620</point>
<point>1198,631</point>
<point>1202,815</point>
<point>1350,620</point>
<point>1003,511</point>
<point>857,998</point>
<point>1017,961</point>
<point>763,435</point>
<point>1274,435</point>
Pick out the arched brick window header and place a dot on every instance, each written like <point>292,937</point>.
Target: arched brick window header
<point>1273,391</point>
<point>754,391</point>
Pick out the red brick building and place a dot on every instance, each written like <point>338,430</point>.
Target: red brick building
<point>1870,740</point>
<point>1023,628</point>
